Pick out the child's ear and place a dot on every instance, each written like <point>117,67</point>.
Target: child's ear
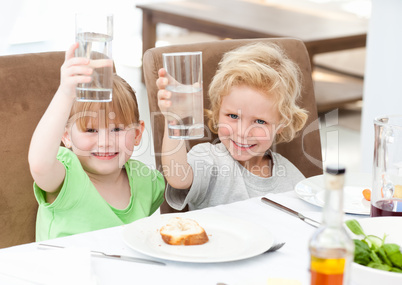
<point>139,130</point>
<point>66,139</point>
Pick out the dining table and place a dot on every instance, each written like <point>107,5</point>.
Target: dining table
<point>31,264</point>
<point>323,26</point>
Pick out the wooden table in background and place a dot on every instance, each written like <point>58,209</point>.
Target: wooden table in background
<point>321,31</point>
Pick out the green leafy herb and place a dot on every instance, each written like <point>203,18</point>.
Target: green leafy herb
<point>362,252</point>
<point>394,269</point>
<point>355,227</point>
<point>374,242</point>
<point>393,251</point>
<point>373,252</point>
<point>379,266</point>
<point>384,257</point>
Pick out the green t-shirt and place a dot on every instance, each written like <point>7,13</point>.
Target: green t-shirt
<point>80,208</point>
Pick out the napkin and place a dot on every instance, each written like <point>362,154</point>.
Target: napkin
<point>54,266</point>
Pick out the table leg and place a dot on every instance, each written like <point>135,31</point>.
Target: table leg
<point>148,34</point>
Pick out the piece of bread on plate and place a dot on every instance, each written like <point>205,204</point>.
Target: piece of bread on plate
<point>183,231</point>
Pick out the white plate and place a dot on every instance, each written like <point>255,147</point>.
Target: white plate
<point>229,239</point>
<point>312,190</point>
<point>392,226</point>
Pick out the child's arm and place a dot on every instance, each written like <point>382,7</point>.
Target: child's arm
<point>46,170</point>
<point>176,169</point>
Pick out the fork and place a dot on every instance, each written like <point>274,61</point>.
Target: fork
<point>275,247</point>
<point>112,256</point>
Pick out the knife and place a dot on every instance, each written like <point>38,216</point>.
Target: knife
<point>111,256</point>
<point>305,219</point>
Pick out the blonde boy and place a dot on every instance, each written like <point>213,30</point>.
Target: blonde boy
<point>253,97</point>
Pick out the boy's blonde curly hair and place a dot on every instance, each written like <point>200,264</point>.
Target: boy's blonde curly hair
<point>266,68</point>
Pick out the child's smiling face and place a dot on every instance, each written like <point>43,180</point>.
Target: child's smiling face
<point>248,123</point>
<point>104,148</point>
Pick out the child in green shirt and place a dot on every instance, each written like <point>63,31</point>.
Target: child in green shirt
<point>92,183</point>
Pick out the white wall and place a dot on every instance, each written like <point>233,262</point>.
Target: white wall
<point>48,25</point>
<point>383,75</point>
<point>9,12</point>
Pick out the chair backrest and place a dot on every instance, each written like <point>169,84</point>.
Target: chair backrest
<point>304,151</point>
<point>28,83</point>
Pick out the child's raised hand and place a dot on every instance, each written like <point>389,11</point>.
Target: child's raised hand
<point>163,95</point>
<point>74,70</point>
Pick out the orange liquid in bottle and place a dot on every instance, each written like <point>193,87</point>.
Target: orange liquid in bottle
<point>327,271</point>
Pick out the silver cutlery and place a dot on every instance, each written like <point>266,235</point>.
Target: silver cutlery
<point>305,219</point>
<point>111,256</point>
<point>271,249</point>
<point>275,247</point>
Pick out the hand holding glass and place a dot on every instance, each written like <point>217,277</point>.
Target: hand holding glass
<point>94,33</point>
<point>185,115</point>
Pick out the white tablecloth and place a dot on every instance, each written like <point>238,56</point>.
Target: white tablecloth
<point>290,262</point>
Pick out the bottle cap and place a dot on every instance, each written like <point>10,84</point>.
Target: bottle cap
<point>335,169</point>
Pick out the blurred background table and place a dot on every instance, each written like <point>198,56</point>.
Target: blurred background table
<point>327,28</point>
<point>322,30</point>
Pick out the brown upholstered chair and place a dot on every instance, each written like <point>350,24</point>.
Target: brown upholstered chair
<point>28,83</point>
<point>304,151</point>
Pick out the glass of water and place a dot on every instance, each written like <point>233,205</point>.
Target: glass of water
<point>94,33</point>
<point>185,116</point>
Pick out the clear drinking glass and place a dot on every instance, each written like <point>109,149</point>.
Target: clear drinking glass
<point>94,33</point>
<point>386,196</point>
<point>186,114</point>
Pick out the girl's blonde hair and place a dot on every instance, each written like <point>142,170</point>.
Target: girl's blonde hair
<point>123,109</point>
<point>266,68</point>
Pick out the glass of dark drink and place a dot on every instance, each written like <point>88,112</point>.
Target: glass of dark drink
<point>386,196</point>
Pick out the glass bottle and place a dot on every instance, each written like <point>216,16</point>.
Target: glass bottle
<point>331,248</point>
